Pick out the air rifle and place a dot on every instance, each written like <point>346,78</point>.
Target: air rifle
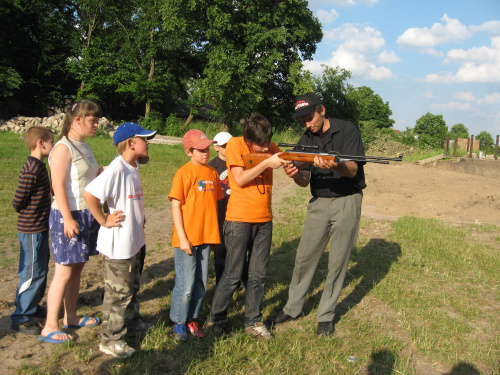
<point>304,156</point>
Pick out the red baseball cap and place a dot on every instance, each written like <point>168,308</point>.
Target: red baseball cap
<point>195,138</point>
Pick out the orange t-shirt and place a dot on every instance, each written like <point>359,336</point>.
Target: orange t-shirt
<point>198,189</point>
<point>250,203</point>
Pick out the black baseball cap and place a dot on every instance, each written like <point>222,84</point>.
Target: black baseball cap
<point>304,104</point>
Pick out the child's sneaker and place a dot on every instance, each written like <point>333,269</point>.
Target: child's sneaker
<point>219,328</point>
<point>258,331</point>
<point>120,350</point>
<point>180,332</point>
<point>195,330</point>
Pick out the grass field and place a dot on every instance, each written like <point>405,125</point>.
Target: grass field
<point>421,299</point>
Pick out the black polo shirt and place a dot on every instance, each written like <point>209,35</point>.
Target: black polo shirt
<point>345,138</point>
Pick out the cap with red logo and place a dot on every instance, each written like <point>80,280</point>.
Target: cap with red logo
<point>306,103</point>
<point>195,138</point>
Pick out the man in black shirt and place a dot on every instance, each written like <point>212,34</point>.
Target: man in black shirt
<point>333,213</point>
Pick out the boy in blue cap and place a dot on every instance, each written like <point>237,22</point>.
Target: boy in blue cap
<point>121,236</point>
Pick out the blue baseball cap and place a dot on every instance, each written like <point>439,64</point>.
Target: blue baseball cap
<point>131,129</point>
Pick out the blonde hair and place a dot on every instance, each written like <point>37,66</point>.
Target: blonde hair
<point>122,146</point>
<point>34,134</point>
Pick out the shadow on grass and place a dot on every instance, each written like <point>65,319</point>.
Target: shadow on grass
<point>382,362</point>
<point>158,289</point>
<point>464,368</point>
<point>279,275</point>
<point>370,265</point>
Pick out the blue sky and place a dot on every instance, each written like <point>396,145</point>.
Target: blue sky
<point>437,56</point>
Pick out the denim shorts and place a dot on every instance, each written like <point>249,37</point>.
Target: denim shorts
<point>73,250</point>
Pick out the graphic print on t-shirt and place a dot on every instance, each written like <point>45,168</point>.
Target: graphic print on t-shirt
<point>205,185</point>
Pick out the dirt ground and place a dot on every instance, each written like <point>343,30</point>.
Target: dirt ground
<point>431,191</point>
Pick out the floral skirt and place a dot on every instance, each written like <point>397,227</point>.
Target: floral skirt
<point>73,250</point>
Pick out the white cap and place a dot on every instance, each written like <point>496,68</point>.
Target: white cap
<point>222,138</point>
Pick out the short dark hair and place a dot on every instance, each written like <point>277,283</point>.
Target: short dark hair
<point>258,130</point>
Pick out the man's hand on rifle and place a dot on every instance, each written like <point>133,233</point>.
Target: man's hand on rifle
<point>300,176</point>
<point>324,163</point>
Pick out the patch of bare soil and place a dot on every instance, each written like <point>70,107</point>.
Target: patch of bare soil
<point>393,191</point>
<point>398,190</point>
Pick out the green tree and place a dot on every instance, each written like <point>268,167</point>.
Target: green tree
<point>372,108</point>
<point>10,80</point>
<point>484,138</point>
<point>432,130</point>
<point>249,48</point>
<point>339,96</point>
<point>133,61</point>
<point>459,130</point>
<point>301,80</point>
<point>37,39</point>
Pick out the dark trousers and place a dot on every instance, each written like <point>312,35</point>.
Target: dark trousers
<point>244,240</point>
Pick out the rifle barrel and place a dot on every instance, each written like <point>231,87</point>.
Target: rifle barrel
<point>296,145</point>
<point>366,158</point>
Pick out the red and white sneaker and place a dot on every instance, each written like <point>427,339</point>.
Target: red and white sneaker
<point>195,330</point>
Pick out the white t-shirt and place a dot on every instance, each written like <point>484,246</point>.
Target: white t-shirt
<point>120,186</point>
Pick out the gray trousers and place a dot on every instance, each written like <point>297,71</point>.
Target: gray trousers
<point>327,218</point>
<point>120,307</point>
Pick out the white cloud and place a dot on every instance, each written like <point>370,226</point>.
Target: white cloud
<point>490,99</point>
<point>452,106</point>
<point>450,30</point>
<point>432,52</point>
<point>327,18</point>
<point>478,64</point>
<point>429,94</point>
<point>465,96</point>
<point>358,38</point>
<point>388,57</point>
<point>358,51</point>
<point>481,54</point>
<point>490,27</point>
<point>314,66</point>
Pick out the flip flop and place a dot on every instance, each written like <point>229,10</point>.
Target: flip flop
<point>50,340</point>
<point>82,323</point>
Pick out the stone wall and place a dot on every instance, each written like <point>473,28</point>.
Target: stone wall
<point>21,124</point>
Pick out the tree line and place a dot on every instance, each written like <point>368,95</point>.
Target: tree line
<point>144,58</point>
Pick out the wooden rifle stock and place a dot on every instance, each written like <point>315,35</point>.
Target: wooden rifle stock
<point>252,159</point>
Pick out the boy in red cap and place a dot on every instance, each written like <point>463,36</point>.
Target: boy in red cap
<point>195,191</point>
